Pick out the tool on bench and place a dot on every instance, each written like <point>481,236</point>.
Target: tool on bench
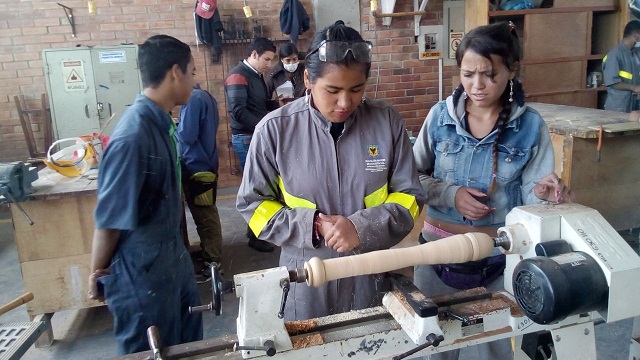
<point>15,183</point>
<point>599,147</point>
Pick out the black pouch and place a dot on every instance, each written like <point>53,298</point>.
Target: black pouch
<point>471,274</point>
<point>195,189</point>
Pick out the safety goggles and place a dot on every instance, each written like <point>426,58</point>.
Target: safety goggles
<point>334,50</point>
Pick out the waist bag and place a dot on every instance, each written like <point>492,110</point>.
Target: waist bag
<point>471,274</point>
<point>201,188</point>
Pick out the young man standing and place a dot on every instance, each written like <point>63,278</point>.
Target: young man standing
<point>196,135</point>
<point>139,263</point>
<point>248,102</point>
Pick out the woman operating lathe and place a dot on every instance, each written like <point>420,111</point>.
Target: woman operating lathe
<point>331,174</point>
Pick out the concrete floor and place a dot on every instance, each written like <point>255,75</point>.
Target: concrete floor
<point>87,333</point>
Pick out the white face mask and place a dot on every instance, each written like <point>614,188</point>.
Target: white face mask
<point>291,67</point>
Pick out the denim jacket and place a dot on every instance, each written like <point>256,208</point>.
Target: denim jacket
<point>449,157</point>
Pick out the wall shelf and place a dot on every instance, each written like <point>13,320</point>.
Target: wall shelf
<point>561,45</point>
<point>510,13</point>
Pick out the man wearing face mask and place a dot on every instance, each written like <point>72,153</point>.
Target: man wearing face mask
<point>621,71</point>
<point>289,69</point>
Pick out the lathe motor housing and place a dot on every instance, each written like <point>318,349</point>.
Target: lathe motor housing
<point>586,232</point>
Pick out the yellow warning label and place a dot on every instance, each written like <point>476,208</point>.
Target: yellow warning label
<point>430,54</point>
<point>74,77</point>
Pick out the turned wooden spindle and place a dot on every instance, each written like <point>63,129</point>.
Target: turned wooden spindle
<point>454,249</point>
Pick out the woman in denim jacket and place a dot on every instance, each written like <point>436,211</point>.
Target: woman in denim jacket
<point>479,154</point>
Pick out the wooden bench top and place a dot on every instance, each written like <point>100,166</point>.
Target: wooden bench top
<point>584,122</point>
<point>50,185</point>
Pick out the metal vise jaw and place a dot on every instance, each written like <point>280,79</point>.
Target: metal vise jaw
<point>16,179</point>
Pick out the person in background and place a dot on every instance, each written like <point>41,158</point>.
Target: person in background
<point>621,71</point>
<point>289,69</point>
<point>139,263</point>
<point>196,136</point>
<point>359,190</point>
<point>247,103</point>
<point>479,154</point>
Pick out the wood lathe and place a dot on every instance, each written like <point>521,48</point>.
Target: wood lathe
<point>566,269</point>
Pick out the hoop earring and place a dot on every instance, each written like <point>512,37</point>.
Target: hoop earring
<point>511,91</point>
<point>307,94</point>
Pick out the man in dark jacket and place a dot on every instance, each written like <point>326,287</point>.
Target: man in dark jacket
<point>247,103</point>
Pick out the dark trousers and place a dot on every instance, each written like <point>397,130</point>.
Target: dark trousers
<point>207,221</point>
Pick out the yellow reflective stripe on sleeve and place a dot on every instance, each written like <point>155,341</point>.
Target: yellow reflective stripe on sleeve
<point>377,197</point>
<point>604,58</point>
<point>626,75</point>
<point>264,212</point>
<point>294,201</point>
<point>406,201</point>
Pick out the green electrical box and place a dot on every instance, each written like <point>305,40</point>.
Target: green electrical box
<point>87,85</point>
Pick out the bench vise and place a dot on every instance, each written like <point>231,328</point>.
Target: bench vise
<point>15,183</point>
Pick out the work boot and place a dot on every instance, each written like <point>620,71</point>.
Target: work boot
<point>204,275</point>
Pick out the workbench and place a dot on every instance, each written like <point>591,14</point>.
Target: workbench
<point>609,185</point>
<point>55,252</point>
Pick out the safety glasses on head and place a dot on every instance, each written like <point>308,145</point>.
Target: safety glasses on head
<point>335,50</point>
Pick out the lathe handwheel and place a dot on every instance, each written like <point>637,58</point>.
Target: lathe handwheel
<point>216,290</point>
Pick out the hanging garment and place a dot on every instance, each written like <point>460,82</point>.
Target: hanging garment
<point>293,19</point>
<point>208,32</point>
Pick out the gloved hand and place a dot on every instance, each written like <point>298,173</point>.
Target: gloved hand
<point>203,188</point>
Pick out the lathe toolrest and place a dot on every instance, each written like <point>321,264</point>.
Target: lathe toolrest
<point>566,268</point>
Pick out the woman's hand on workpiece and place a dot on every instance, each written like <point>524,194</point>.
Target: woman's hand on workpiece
<point>340,233</point>
<point>551,188</point>
<point>467,203</point>
<point>93,292</point>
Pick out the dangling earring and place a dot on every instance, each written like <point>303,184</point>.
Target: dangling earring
<point>511,91</point>
<point>307,94</point>
<point>363,99</point>
<point>464,95</point>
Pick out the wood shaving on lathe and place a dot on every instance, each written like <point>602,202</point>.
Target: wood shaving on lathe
<point>300,326</point>
<point>513,307</point>
<point>307,341</point>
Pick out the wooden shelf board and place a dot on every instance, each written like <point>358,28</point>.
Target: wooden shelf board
<point>562,59</point>
<point>248,41</point>
<point>507,13</point>
<point>546,93</point>
<point>595,56</point>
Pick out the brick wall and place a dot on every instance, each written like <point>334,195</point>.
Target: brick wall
<point>27,27</point>
<point>409,84</point>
